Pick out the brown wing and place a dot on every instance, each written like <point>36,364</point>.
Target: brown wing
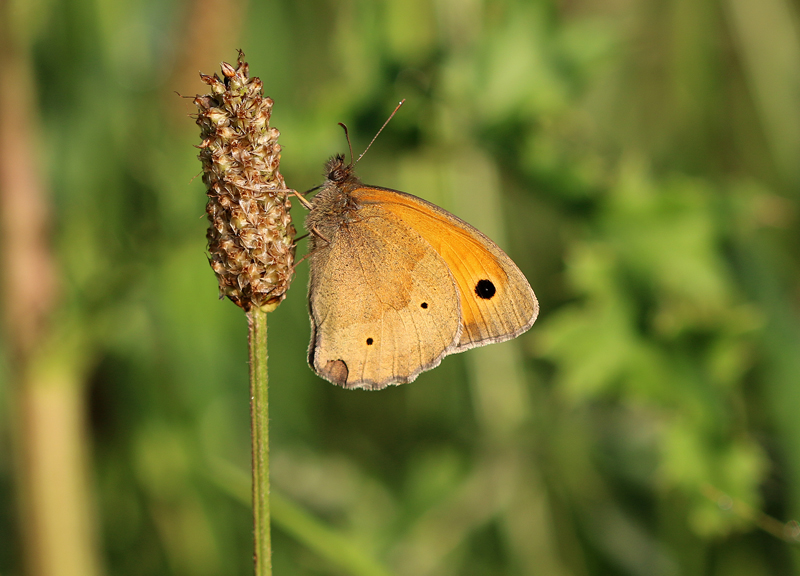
<point>383,306</point>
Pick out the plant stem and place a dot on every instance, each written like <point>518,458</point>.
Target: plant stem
<point>259,422</point>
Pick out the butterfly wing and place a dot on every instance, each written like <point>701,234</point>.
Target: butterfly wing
<point>383,305</point>
<point>495,299</point>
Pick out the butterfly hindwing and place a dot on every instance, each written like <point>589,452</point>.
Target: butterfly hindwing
<point>383,306</point>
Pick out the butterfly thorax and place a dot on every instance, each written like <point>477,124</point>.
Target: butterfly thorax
<point>334,205</point>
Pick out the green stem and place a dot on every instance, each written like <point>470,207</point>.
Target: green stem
<point>259,422</point>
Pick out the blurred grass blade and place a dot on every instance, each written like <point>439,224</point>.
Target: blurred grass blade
<point>292,519</point>
<point>769,44</point>
<point>337,548</point>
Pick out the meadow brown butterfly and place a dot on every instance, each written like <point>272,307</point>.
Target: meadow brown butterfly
<point>397,283</point>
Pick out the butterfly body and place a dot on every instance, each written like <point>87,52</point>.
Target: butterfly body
<point>397,283</point>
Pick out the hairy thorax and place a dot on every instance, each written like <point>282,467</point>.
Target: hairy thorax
<point>334,206</point>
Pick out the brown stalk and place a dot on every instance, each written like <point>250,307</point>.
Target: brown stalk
<point>47,408</point>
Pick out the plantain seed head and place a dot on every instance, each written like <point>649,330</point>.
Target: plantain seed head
<point>250,236</point>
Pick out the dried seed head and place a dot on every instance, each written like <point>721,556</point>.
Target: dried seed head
<point>251,236</point>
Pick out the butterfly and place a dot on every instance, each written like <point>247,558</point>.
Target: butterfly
<point>397,283</point>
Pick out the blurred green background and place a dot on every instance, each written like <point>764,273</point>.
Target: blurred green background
<point>639,160</point>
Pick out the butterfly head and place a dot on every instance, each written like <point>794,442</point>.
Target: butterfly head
<point>338,172</point>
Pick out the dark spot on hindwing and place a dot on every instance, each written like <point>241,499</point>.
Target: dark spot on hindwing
<point>485,289</point>
<point>423,305</point>
<point>369,341</point>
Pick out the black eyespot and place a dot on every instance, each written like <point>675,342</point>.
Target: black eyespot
<point>485,289</point>
<point>424,305</point>
<point>369,341</point>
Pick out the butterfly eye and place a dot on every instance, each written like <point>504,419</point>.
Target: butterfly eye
<point>485,289</point>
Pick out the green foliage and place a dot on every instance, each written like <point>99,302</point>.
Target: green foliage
<point>627,156</point>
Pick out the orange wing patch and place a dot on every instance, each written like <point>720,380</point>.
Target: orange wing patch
<point>497,303</point>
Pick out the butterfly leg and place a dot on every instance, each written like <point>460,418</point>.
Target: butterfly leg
<point>296,264</point>
<point>316,233</point>
<point>319,235</point>
<point>306,204</point>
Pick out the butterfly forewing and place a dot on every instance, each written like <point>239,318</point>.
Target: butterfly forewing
<point>496,301</point>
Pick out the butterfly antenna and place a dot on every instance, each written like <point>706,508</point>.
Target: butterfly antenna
<point>379,131</point>
<point>347,135</point>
